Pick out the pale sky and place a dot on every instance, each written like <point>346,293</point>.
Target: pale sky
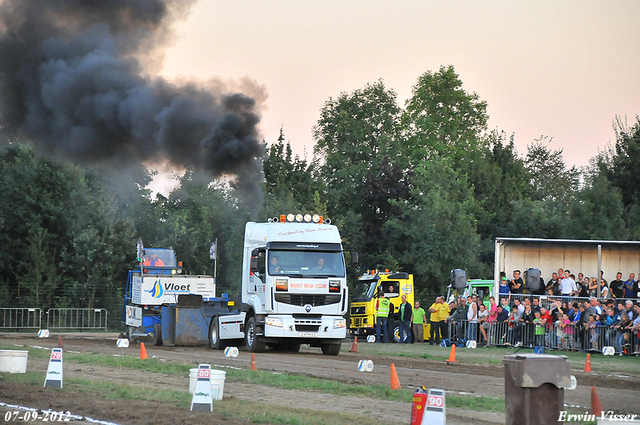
<point>561,69</point>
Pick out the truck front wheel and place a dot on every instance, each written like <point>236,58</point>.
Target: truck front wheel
<point>252,341</point>
<point>331,349</point>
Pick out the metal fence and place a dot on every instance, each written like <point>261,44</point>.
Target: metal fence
<point>554,336</point>
<point>77,318</point>
<point>20,318</point>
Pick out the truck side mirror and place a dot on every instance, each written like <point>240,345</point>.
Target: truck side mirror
<point>254,261</point>
<point>354,259</point>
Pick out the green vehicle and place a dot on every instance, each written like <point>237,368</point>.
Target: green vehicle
<point>483,288</point>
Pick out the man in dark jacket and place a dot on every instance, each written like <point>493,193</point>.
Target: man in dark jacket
<point>405,321</point>
<point>617,286</point>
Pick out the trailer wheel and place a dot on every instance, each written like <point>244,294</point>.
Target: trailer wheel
<point>157,334</point>
<point>214,335</point>
<point>252,341</point>
<point>331,349</point>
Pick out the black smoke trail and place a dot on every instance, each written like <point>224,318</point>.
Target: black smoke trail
<point>73,81</point>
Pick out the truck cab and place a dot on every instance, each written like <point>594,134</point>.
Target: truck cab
<point>294,288</point>
<point>363,305</point>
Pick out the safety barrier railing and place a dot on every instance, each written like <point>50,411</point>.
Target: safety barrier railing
<point>77,318</point>
<point>20,318</point>
<point>554,336</point>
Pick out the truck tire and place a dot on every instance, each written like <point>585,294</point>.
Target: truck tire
<point>396,334</point>
<point>156,339</point>
<point>331,349</point>
<point>253,342</point>
<point>214,335</point>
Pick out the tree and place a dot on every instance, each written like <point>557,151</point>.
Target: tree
<point>442,119</point>
<point>63,237</point>
<point>550,177</point>
<point>597,212</point>
<point>198,212</point>
<point>623,170</point>
<point>437,231</point>
<point>290,182</point>
<point>354,132</point>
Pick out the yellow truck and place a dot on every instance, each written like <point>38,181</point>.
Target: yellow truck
<point>363,306</point>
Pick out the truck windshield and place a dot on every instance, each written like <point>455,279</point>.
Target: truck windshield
<point>365,290</point>
<point>299,263</point>
<point>154,257</point>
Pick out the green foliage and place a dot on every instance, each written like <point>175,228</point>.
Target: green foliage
<point>550,178</point>
<point>423,189</point>
<point>437,233</point>
<point>442,119</point>
<point>354,132</point>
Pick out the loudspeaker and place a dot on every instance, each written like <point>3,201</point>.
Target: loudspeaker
<point>532,277</point>
<point>458,279</point>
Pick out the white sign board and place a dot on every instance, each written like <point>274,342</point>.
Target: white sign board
<point>202,399</point>
<point>54,372</point>
<point>164,289</point>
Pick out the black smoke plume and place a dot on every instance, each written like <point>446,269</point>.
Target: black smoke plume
<point>73,81</point>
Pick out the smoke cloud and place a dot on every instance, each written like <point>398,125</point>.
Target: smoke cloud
<point>73,81</point>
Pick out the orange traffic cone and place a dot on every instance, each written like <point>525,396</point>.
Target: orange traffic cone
<point>596,406</point>
<point>587,364</point>
<point>254,367</point>
<point>354,347</point>
<point>395,383</point>
<point>143,352</point>
<point>60,344</point>
<point>452,354</point>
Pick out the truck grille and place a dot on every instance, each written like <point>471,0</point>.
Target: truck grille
<point>307,325</point>
<point>304,299</point>
<point>358,322</point>
<point>359,310</point>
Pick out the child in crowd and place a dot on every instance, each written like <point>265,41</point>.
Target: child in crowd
<point>539,328</point>
<point>567,332</point>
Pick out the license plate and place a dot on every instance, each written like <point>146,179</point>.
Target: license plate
<point>307,334</point>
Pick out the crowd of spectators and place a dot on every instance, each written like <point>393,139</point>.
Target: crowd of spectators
<point>566,314</point>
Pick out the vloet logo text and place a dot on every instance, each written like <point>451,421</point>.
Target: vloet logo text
<point>175,287</point>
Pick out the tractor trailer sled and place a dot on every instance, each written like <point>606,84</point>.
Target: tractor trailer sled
<point>164,306</point>
<point>293,292</point>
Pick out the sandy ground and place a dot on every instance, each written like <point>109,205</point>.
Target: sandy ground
<point>617,392</point>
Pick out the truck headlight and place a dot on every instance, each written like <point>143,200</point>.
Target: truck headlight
<point>339,323</point>
<point>273,321</point>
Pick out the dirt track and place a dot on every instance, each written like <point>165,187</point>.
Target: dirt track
<point>617,392</point>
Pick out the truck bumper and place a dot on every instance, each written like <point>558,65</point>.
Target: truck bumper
<point>326,327</point>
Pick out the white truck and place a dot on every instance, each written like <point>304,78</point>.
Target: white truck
<point>579,256</point>
<point>294,288</point>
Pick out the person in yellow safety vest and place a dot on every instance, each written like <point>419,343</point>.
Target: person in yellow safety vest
<point>382,316</point>
<point>444,314</point>
<point>435,322</point>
